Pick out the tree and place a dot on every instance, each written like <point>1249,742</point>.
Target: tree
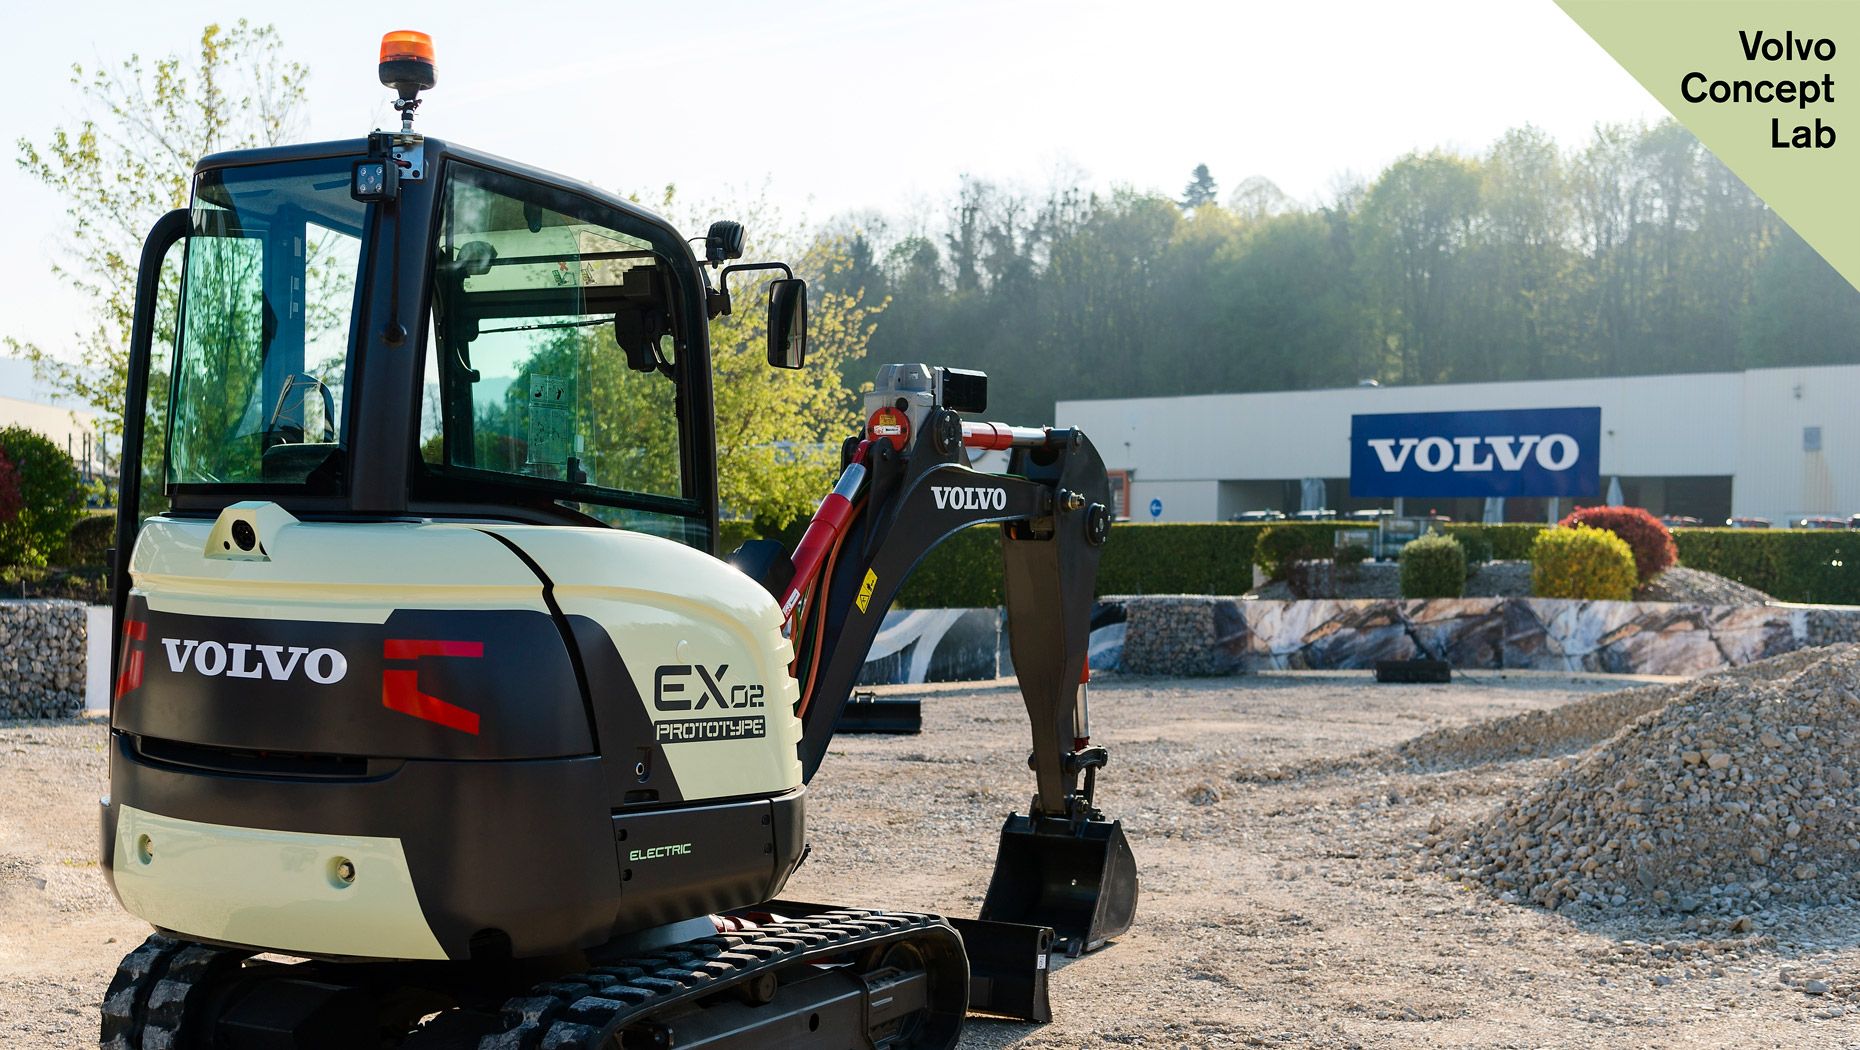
<point>1200,189</point>
<point>126,163</point>
<point>1421,213</point>
<point>49,499</point>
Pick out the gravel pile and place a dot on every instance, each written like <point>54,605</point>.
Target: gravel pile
<point>1736,794</point>
<point>1571,727</point>
<point>1680,584</point>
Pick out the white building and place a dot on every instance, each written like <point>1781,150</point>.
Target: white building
<point>26,403</point>
<point>1776,443</point>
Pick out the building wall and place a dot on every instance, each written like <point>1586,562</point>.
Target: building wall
<point>1777,477</point>
<point>64,426</point>
<point>1219,454</point>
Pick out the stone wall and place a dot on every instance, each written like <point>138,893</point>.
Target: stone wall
<point>42,652</point>
<point>1203,635</point>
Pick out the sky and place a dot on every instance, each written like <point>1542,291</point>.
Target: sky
<point>829,108</point>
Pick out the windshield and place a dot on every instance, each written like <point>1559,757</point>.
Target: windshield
<point>552,357</point>
<point>263,355</point>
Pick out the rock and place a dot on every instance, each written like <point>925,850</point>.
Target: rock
<point>1718,760</point>
<point>1815,986</point>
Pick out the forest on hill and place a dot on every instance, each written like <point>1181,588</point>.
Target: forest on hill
<point>1636,253</point>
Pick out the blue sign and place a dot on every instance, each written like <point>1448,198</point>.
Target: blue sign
<point>1514,452</point>
<point>1155,508</point>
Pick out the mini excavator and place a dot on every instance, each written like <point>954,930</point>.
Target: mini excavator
<point>437,720</point>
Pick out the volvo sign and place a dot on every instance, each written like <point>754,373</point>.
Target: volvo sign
<point>1515,452</point>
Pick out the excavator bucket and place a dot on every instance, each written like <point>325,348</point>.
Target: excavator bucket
<point>1078,877</point>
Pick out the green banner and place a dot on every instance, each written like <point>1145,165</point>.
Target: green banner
<point>1772,87</point>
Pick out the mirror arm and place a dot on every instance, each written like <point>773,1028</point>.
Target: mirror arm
<point>723,280</point>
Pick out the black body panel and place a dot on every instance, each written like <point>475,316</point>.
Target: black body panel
<point>204,681</point>
<point>527,848</point>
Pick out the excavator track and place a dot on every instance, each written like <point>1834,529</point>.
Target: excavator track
<point>838,977</point>
<point>909,969</point>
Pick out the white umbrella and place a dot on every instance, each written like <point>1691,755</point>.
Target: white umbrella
<point>1494,510</point>
<point>1614,492</point>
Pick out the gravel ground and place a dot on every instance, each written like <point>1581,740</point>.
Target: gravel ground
<point>1278,910</point>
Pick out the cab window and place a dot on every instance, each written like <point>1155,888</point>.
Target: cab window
<point>554,355</point>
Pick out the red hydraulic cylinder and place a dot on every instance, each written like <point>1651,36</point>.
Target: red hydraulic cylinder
<point>829,520</point>
<point>1000,435</point>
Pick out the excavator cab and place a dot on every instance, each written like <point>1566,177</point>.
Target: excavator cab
<point>429,675</point>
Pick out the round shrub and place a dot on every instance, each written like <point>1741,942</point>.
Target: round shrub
<point>1352,554</point>
<point>1433,566</point>
<point>1650,540</point>
<point>1578,561</point>
<point>1281,545</point>
<point>89,540</point>
<point>49,499</point>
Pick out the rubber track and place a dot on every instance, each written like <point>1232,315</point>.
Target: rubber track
<point>580,1011</point>
<point>148,999</point>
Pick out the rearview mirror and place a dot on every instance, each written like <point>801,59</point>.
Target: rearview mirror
<point>787,322</point>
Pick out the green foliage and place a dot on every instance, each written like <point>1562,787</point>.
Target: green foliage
<point>1579,561</point>
<point>51,499</point>
<point>779,430</point>
<point>89,540</point>
<point>1792,565</point>
<point>1352,554</point>
<point>1477,545</point>
<point>1506,542</point>
<point>1285,542</point>
<point>1217,558</point>
<point>126,162</point>
<point>1433,566</point>
<point>1636,252</point>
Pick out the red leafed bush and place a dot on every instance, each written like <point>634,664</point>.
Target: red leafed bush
<point>10,498</point>
<point>1650,541</point>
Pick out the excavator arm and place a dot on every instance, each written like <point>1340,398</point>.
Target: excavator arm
<point>1061,865</point>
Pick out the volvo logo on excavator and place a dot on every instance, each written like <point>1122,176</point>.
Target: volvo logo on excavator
<point>968,497</point>
<point>279,663</point>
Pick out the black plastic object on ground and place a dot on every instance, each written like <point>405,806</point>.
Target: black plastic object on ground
<point>1078,877</point>
<point>1008,967</point>
<point>1414,671</point>
<point>870,713</point>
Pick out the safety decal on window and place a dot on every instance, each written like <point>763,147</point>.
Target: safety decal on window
<point>551,423</point>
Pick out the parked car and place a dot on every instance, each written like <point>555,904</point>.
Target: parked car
<point>1854,522</point>
<point>1378,515</point>
<point>1748,523</point>
<point>1325,514</point>
<point>1258,515</point>
<point>1819,523</point>
<point>1680,521</point>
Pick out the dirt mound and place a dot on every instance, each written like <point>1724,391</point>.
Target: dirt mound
<point>1734,794</point>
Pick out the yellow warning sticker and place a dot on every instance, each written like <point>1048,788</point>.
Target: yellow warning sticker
<point>865,590</point>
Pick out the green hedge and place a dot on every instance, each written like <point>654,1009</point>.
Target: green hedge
<point>1190,558</point>
<point>1217,558</point>
<point>1509,542</point>
<point>1791,565</point>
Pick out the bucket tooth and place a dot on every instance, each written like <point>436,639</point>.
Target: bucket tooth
<point>1078,877</point>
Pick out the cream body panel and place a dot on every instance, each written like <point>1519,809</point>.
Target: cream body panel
<point>275,889</point>
<point>339,572</point>
<point>663,603</point>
